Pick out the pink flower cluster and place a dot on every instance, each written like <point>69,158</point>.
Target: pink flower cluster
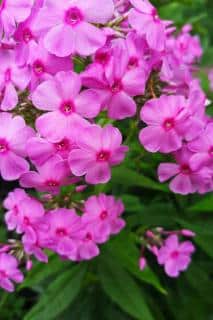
<point>174,255</point>
<point>68,72</point>
<point>71,235</point>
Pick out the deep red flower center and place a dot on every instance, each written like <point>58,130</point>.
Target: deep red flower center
<point>103,156</point>
<point>88,237</point>
<point>73,16</point>
<point>38,67</point>
<point>174,254</point>
<point>102,57</point>
<point>3,274</point>
<point>116,87</point>
<point>185,169</point>
<point>211,151</point>
<point>133,62</point>
<point>62,145</point>
<point>52,183</point>
<point>3,146</point>
<point>169,124</point>
<point>103,215</point>
<point>26,221</point>
<point>67,108</point>
<point>155,15</point>
<point>61,232</point>
<point>27,35</point>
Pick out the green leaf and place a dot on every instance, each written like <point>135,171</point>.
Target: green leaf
<point>204,234</point>
<point>130,178</point>
<point>123,250</point>
<point>41,272</point>
<point>205,205</point>
<point>123,290</point>
<point>57,297</point>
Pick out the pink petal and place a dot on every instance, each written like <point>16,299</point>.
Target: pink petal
<point>93,14</point>
<point>68,84</point>
<point>31,179</point>
<point>99,173</point>
<point>171,268</point>
<point>171,141</point>
<point>121,106</point>
<point>46,125</point>
<point>61,41</point>
<point>10,99</point>
<point>7,285</point>
<point>39,150</point>
<point>13,166</point>
<point>134,82</point>
<point>187,247</point>
<point>182,184</point>
<point>167,171</point>
<point>46,96</point>
<point>88,104</point>
<point>88,39</point>
<point>80,162</point>
<point>151,138</point>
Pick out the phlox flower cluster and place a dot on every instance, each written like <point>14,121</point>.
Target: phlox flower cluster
<point>171,253</point>
<point>72,235</point>
<point>68,73</point>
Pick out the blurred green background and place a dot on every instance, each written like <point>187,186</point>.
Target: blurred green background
<point>111,287</point>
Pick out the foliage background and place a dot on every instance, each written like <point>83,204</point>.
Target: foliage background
<point>111,287</point>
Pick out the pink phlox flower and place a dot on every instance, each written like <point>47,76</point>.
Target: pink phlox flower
<point>13,139</point>
<point>12,13</point>
<point>186,179</point>
<point>116,84</point>
<point>44,65</point>
<point>169,123</point>
<point>175,256</point>
<point>9,272</point>
<point>102,215</point>
<point>99,149</point>
<point>60,96</point>
<point>62,236</point>
<point>68,25</point>
<point>50,176</point>
<point>11,77</point>
<point>145,20</point>
<point>41,150</point>
<point>12,205</point>
<point>203,149</point>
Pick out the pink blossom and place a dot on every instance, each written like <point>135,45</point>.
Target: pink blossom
<point>13,12</point>
<point>9,272</point>
<point>102,215</point>
<point>142,263</point>
<point>41,150</point>
<point>116,84</point>
<point>11,76</point>
<point>187,180</point>
<point>44,65</point>
<point>63,232</point>
<point>30,212</point>
<point>145,20</point>
<point>13,138</point>
<point>203,148</point>
<point>169,122</point>
<point>51,176</point>
<point>60,96</point>
<point>72,22</point>
<point>175,256</point>
<point>13,203</point>
<point>99,149</point>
